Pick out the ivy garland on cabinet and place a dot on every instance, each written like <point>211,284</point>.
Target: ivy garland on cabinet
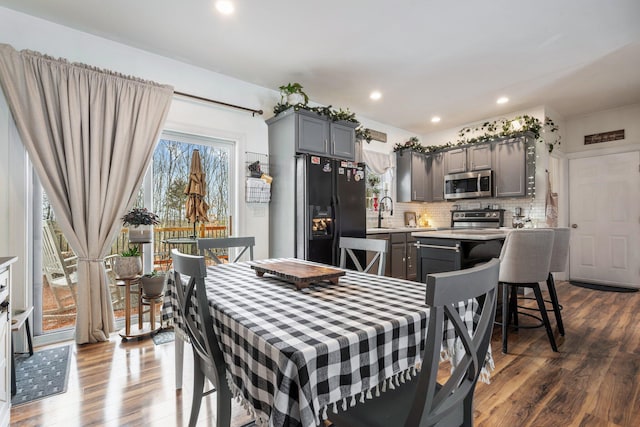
<point>500,128</point>
<point>292,96</point>
<point>345,115</point>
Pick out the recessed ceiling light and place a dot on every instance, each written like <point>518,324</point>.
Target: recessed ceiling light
<point>435,119</point>
<point>502,100</point>
<point>375,95</point>
<point>225,7</point>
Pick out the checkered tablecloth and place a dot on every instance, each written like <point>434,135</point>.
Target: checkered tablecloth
<point>292,355</point>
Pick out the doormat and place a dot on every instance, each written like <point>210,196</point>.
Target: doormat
<point>164,336</point>
<point>42,375</point>
<point>605,288</point>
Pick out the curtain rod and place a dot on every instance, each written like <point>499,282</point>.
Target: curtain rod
<point>200,98</point>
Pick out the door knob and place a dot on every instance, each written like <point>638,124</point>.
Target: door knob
<point>574,225</point>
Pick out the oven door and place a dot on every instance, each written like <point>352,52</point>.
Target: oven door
<point>467,185</point>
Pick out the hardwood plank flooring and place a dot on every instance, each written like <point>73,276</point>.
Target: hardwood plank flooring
<point>594,380</point>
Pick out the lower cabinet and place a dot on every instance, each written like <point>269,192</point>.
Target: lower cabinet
<point>402,255</point>
<point>437,256</point>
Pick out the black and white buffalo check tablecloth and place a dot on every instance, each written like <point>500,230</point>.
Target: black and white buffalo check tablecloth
<point>293,355</point>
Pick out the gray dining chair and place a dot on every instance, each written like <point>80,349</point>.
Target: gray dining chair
<point>378,246</point>
<point>525,257</point>
<point>558,263</point>
<point>216,249</point>
<point>422,401</point>
<point>208,360</point>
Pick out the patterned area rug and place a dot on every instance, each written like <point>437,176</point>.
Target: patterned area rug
<point>164,336</point>
<point>42,375</point>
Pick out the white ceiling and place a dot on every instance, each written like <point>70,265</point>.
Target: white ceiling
<point>446,58</point>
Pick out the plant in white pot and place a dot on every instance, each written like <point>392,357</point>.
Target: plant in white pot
<point>140,222</point>
<point>293,94</point>
<point>128,264</point>
<point>153,283</point>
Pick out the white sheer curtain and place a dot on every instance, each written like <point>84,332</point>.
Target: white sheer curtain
<point>377,162</point>
<point>90,135</point>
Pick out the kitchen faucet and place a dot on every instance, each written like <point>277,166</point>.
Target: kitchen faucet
<point>380,210</point>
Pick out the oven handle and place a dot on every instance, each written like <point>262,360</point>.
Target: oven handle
<point>449,248</point>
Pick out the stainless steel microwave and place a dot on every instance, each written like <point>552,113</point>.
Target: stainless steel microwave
<point>468,185</point>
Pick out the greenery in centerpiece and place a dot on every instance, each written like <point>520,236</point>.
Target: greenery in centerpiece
<point>490,131</point>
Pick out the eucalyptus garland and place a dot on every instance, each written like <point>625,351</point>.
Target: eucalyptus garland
<point>493,130</point>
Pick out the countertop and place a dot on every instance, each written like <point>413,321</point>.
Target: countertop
<point>466,234</point>
<point>397,230</point>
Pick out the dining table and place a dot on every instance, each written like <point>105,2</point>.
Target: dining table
<point>295,355</point>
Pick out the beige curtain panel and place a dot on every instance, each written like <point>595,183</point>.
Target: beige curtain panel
<point>90,135</point>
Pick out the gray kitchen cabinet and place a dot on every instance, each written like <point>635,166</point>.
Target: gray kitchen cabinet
<point>511,166</point>
<point>479,157</point>
<point>402,257</point>
<point>411,182</point>
<point>469,159</point>
<point>436,176</point>
<point>312,133</point>
<point>398,255</point>
<point>342,141</point>
<point>412,258</point>
<point>455,161</point>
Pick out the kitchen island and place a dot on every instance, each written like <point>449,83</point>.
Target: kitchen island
<point>455,249</point>
<point>402,255</point>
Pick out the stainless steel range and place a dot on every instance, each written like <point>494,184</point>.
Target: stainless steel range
<point>478,218</point>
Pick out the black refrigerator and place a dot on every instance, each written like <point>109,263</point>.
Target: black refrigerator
<point>330,202</point>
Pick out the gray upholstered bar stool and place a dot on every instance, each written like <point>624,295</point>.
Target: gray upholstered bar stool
<point>558,264</point>
<point>524,262</point>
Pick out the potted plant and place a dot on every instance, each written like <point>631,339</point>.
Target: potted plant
<point>293,94</point>
<point>128,264</point>
<point>140,222</point>
<point>153,283</point>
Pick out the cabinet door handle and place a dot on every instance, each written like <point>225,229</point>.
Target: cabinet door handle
<point>449,248</point>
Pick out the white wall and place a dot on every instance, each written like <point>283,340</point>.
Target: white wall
<point>26,32</point>
<point>626,117</point>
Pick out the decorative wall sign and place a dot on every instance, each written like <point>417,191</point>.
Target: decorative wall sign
<point>597,138</point>
<point>378,136</point>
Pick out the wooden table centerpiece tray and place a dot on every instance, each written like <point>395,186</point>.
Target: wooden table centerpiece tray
<point>300,274</point>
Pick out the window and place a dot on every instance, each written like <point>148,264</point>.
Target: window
<point>163,193</point>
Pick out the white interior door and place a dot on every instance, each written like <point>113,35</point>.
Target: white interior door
<point>604,213</point>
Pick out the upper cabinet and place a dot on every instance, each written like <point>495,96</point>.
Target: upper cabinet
<point>412,177</point>
<point>313,134</point>
<point>514,161</point>
<point>435,175</point>
<point>468,159</point>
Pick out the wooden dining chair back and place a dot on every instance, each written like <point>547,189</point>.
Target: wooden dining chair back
<point>208,359</point>
<point>422,401</point>
<point>378,247</point>
<point>526,257</point>
<point>214,248</point>
<point>60,271</point>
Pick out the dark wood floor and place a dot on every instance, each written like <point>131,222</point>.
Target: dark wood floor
<point>593,381</point>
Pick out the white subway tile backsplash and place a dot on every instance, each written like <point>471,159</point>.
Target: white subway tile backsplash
<point>439,213</point>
